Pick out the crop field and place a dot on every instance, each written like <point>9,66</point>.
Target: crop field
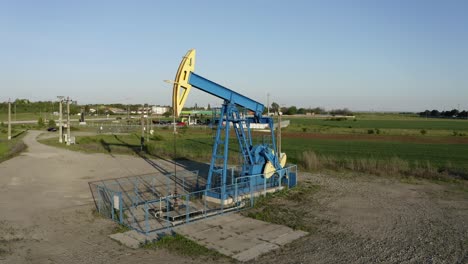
<point>384,125</point>
<point>428,124</point>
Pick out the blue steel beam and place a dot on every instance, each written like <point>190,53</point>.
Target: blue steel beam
<point>226,94</point>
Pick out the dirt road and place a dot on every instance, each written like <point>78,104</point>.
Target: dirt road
<point>46,208</point>
<point>46,215</point>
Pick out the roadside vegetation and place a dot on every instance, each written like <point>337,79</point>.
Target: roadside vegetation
<point>178,244</point>
<point>11,148</point>
<point>286,207</point>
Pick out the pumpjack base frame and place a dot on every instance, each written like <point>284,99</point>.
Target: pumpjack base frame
<point>229,201</point>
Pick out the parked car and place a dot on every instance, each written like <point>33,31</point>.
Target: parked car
<point>52,129</point>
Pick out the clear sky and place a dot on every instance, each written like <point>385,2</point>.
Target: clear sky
<point>364,55</point>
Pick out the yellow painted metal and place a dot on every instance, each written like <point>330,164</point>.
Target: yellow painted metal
<point>181,86</point>
<point>269,170</point>
<point>283,158</point>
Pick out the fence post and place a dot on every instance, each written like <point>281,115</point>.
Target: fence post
<point>232,175</point>
<point>251,191</point>
<point>135,189</point>
<point>112,206</point>
<point>236,198</point>
<point>187,207</point>
<point>120,208</point>
<point>204,203</point>
<point>99,199</point>
<point>146,218</point>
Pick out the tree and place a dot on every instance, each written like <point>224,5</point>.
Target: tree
<point>52,123</point>
<point>317,110</point>
<point>301,111</point>
<point>209,107</point>
<point>40,122</point>
<point>344,111</point>
<point>425,113</point>
<point>275,107</point>
<point>463,114</point>
<point>167,114</point>
<point>435,113</point>
<point>291,110</point>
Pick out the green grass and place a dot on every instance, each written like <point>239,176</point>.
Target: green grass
<point>285,207</point>
<point>114,144</point>
<point>357,152</point>
<point>438,155</point>
<point>316,125</point>
<point>180,245</point>
<point>120,229</point>
<point>22,116</point>
<point>11,148</point>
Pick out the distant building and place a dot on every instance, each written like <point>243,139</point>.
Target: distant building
<point>117,110</point>
<point>159,110</point>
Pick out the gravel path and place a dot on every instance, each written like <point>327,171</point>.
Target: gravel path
<point>371,220</point>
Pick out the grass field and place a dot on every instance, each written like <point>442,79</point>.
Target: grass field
<point>10,148</point>
<point>22,116</point>
<point>433,154</point>
<point>408,126</point>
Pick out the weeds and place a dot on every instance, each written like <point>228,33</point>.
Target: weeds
<point>180,245</point>
<point>284,207</point>
<point>120,229</point>
<point>388,167</point>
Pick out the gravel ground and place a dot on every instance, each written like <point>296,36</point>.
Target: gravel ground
<point>373,220</point>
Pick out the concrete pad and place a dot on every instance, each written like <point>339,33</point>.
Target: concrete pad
<point>256,251</point>
<point>287,238</point>
<point>134,239</point>
<point>239,237</point>
<point>126,240</point>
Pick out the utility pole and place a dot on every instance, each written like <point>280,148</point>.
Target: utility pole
<point>68,121</point>
<point>60,119</point>
<point>142,138</point>
<point>9,119</point>
<point>279,134</point>
<point>268,103</point>
<point>147,125</point>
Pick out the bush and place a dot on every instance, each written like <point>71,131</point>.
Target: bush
<point>157,137</point>
<point>370,131</point>
<point>304,129</point>
<point>40,122</point>
<point>310,160</point>
<point>377,131</point>
<point>455,133</point>
<point>423,132</point>
<point>52,123</point>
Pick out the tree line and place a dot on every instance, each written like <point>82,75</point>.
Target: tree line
<point>454,113</point>
<point>26,106</point>
<point>293,110</point>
